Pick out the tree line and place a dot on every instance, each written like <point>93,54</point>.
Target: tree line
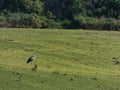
<point>72,14</point>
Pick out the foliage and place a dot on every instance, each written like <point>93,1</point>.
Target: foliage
<point>98,8</point>
<point>50,23</point>
<point>24,20</point>
<point>60,8</point>
<point>2,18</point>
<point>95,23</point>
<point>92,8</point>
<point>87,14</point>
<point>26,6</point>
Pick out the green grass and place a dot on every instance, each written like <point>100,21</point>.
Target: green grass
<point>66,59</point>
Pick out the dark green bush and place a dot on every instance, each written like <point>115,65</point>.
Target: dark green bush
<point>24,20</point>
<point>65,24</point>
<point>25,6</point>
<point>85,14</point>
<point>30,20</point>
<point>95,23</point>
<point>3,19</point>
<point>50,23</point>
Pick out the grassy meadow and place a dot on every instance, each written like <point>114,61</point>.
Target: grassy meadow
<point>66,59</point>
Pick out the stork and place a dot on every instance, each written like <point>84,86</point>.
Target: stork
<point>30,59</point>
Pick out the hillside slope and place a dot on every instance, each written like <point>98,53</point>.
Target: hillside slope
<point>66,59</point>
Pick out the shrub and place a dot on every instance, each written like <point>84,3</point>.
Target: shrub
<point>65,24</point>
<point>3,19</point>
<point>31,20</point>
<point>25,6</point>
<point>50,23</point>
<point>24,20</point>
<point>95,23</point>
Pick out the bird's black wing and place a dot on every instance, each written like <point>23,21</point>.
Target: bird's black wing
<point>30,59</point>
